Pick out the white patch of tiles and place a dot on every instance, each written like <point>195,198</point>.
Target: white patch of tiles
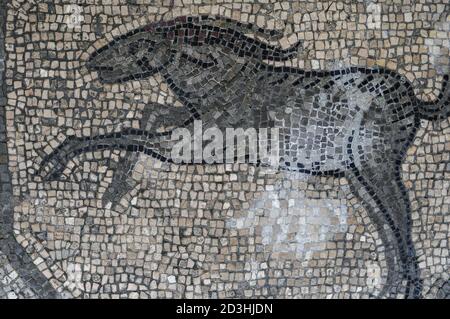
<point>301,227</point>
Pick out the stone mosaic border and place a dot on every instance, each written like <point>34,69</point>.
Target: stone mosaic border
<point>15,254</point>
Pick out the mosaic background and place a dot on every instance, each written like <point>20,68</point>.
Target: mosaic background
<point>204,231</point>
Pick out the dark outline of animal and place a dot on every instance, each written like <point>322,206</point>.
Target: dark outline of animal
<point>378,185</point>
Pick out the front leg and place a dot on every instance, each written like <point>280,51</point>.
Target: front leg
<point>122,182</point>
<point>154,140</point>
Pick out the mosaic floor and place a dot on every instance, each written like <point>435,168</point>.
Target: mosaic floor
<point>314,159</point>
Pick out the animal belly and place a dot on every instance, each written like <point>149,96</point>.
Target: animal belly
<point>319,149</point>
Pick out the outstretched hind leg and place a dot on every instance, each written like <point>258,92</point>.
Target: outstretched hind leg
<point>380,188</point>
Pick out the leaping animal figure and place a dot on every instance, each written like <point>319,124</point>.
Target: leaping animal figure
<point>355,122</point>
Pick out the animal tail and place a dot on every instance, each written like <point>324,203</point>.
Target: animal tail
<point>439,109</point>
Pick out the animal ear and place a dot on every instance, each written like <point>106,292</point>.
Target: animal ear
<point>198,55</point>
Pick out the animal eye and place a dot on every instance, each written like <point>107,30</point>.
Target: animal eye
<point>133,48</point>
<point>140,45</point>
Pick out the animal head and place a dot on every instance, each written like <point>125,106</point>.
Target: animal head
<point>185,44</point>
